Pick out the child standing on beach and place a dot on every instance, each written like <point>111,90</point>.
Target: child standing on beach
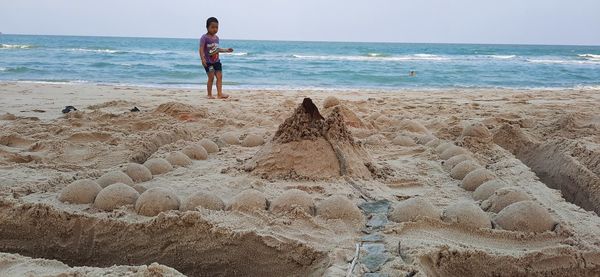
<point>209,54</point>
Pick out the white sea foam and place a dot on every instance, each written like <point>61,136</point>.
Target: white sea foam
<point>108,51</point>
<point>416,57</point>
<point>3,68</point>
<point>236,54</point>
<point>15,46</point>
<point>592,57</point>
<point>503,57</point>
<point>560,61</point>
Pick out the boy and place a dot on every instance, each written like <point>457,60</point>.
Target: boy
<point>209,54</point>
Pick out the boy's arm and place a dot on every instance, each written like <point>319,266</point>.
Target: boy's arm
<point>201,52</point>
<point>225,50</point>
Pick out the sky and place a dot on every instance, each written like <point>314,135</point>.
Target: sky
<point>575,22</point>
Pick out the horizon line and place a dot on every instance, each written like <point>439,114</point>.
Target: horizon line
<point>292,40</point>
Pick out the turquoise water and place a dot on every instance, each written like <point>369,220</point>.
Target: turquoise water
<point>279,64</point>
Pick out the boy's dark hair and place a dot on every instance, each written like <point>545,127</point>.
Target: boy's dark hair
<point>211,20</point>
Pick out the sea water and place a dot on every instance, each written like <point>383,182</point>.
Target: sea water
<point>296,64</point>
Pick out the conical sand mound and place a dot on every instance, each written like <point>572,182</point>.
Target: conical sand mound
<point>308,146</point>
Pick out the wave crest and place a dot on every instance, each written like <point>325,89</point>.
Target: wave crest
<point>16,46</point>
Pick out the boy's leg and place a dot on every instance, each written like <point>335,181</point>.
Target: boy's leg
<point>209,83</point>
<point>220,94</point>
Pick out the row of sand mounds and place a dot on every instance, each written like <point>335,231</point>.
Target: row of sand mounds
<point>309,146</point>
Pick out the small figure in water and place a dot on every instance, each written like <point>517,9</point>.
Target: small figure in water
<point>412,73</point>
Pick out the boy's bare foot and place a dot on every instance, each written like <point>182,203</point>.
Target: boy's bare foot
<point>223,96</point>
<point>211,97</point>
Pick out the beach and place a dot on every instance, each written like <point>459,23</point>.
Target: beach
<point>407,182</point>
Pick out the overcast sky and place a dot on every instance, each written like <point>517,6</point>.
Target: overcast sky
<point>461,21</point>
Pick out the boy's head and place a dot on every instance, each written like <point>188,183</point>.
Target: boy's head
<point>212,25</point>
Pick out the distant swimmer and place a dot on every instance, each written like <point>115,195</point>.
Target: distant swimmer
<point>412,73</point>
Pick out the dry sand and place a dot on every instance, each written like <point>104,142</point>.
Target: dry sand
<point>360,149</point>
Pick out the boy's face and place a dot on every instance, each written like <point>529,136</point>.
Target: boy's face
<point>213,28</point>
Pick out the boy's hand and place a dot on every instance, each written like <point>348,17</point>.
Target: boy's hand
<point>203,63</point>
<point>229,50</point>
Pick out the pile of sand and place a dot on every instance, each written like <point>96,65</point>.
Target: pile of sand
<point>205,200</point>
<point>249,200</point>
<point>177,158</point>
<point>525,216</point>
<point>113,177</point>
<point>181,110</point>
<point>402,140</point>
<point>413,208</point>
<point>463,168</point>
<point>468,214</point>
<point>156,200</point>
<point>475,178</point>
<point>308,146</point>
<point>158,166</point>
<point>209,145</point>
<point>138,173</point>
<point>253,140</point>
<point>504,197</point>
<point>339,207</point>
<point>231,138</point>
<point>115,196</point>
<point>195,152</point>
<point>452,162</point>
<point>452,151</point>
<point>294,199</point>
<point>440,148</point>
<point>350,118</point>
<point>80,192</point>
<point>330,101</point>
<point>478,130</point>
<point>485,190</point>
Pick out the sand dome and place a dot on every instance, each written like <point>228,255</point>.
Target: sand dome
<point>231,138</point>
<point>442,147</point>
<point>463,168</point>
<point>468,214</point>
<point>413,126</point>
<point>425,139</point>
<point>478,130</point>
<point>338,207</point>
<point>504,197</point>
<point>177,158</point>
<point>114,196</point>
<point>195,152</point>
<point>411,209</point>
<point>80,192</point>
<point>452,151</point>
<point>485,190</point>
<point>113,177</point>
<point>330,101</point>
<point>139,188</point>
<point>249,200</point>
<point>452,162</point>
<point>293,199</point>
<point>158,166</point>
<point>475,178</point>
<point>525,216</point>
<point>253,140</point>
<point>205,200</point>
<point>434,143</point>
<point>156,200</point>
<point>375,139</point>
<point>209,145</point>
<point>403,141</point>
<point>138,173</point>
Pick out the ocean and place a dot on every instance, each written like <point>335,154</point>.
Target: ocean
<point>296,65</point>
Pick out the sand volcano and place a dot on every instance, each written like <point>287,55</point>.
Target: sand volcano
<point>309,146</point>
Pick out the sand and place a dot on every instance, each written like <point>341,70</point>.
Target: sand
<point>543,143</point>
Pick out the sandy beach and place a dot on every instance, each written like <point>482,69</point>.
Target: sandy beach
<point>267,183</point>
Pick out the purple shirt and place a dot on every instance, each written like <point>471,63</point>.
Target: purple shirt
<point>210,44</point>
